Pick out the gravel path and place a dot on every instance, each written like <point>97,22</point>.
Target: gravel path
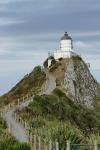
<point>16,129</point>
<point>51,84</point>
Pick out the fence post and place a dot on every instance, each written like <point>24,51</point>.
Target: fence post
<point>57,146</point>
<point>6,132</point>
<point>39,140</point>
<point>95,145</point>
<point>18,101</point>
<point>27,96</point>
<point>5,109</point>
<point>46,148</point>
<point>23,98</point>
<point>15,117</point>
<point>31,138</point>
<point>50,145</point>
<point>9,106</point>
<point>20,120</point>
<point>68,145</point>
<point>34,142</point>
<point>9,127</point>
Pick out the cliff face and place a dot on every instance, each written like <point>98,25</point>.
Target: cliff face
<point>79,82</point>
<point>74,75</point>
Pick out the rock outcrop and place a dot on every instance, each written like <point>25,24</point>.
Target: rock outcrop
<point>79,81</point>
<point>74,75</point>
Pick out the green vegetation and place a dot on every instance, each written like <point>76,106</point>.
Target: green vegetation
<point>56,117</point>
<point>31,82</point>
<point>2,128</point>
<point>77,58</point>
<point>97,105</point>
<point>9,143</point>
<point>53,117</point>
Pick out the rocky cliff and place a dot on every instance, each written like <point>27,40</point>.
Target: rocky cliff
<point>79,81</point>
<point>73,74</point>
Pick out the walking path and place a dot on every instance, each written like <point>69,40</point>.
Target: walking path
<point>16,129</point>
<point>51,84</point>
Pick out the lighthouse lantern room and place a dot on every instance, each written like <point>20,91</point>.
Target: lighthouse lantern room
<point>66,43</point>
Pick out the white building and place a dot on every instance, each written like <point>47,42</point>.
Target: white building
<point>65,48</point>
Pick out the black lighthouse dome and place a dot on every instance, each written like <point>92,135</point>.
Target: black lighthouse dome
<point>66,37</point>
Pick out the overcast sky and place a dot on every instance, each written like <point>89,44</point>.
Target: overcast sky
<point>31,28</point>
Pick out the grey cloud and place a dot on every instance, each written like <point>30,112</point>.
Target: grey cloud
<point>31,28</point>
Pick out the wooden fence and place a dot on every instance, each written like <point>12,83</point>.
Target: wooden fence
<point>38,144</point>
<point>35,141</point>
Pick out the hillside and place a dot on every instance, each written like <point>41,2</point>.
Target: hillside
<point>63,111</point>
<point>7,142</point>
<point>74,75</point>
<point>97,102</point>
<point>58,106</point>
<point>56,117</point>
<point>30,83</point>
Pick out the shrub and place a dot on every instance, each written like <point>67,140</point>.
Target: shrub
<point>37,69</point>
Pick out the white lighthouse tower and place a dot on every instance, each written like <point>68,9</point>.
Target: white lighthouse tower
<point>65,48</point>
<point>66,43</point>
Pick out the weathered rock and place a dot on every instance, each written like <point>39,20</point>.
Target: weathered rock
<point>79,82</point>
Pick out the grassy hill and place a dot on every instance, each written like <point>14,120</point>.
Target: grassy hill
<point>53,116</point>
<point>31,82</point>
<point>56,117</point>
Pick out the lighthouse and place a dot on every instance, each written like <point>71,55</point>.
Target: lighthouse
<point>66,43</point>
<point>65,48</point>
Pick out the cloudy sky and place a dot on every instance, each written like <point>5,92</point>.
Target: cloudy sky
<point>31,28</point>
